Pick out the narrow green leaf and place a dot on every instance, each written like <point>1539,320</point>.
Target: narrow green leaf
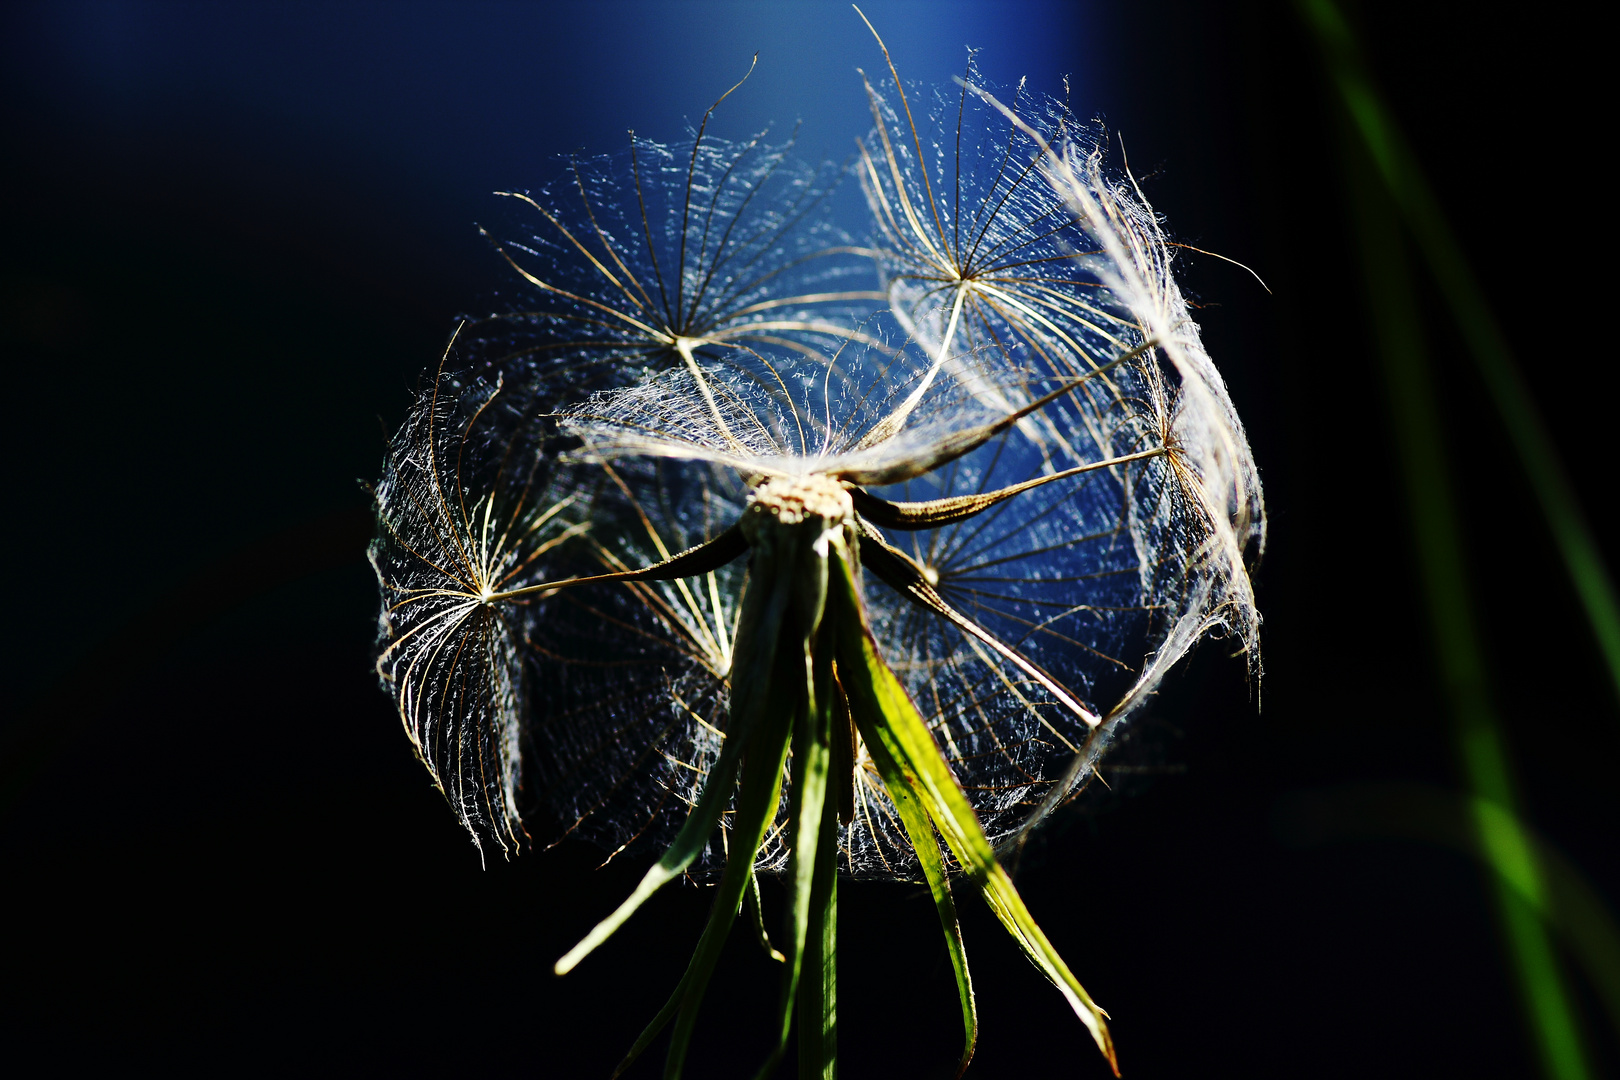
<point>758,628</point>
<point>665,1015</point>
<point>812,760</point>
<point>914,819</point>
<point>1009,907</point>
<point>766,692</point>
<point>758,795</point>
<point>757,908</point>
<point>817,1003</point>
<point>1553,886</point>
<point>1398,332</point>
<point>894,723</point>
<point>1397,167</point>
<point>686,847</point>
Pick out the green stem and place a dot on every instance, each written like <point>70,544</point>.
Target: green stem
<point>758,628</point>
<point>758,795</point>
<point>1521,860</point>
<point>817,1004</point>
<point>812,760</point>
<point>1484,758</point>
<point>768,689</point>
<point>757,910</point>
<point>1398,170</point>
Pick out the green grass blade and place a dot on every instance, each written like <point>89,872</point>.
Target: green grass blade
<point>758,794</point>
<point>817,1003</point>
<point>757,908</point>
<point>767,690</point>
<point>658,1023</point>
<point>1558,892</point>
<point>812,761</point>
<point>1553,886</point>
<point>686,847</point>
<point>914,819</point>
<point>894,723</point>
<point>758,628</point>
<point>1486,764</point>
<point>1397,168</point>
<point>1004,900</point>
<point>757,797</point>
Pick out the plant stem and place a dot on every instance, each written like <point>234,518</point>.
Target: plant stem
<point>1397,168</point>
<point>818,984</point>
<point>1399,336</point>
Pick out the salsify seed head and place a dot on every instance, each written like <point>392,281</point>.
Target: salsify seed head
<point>1049,482</point>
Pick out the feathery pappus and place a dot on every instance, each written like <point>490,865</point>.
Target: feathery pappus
<point>780,544</point>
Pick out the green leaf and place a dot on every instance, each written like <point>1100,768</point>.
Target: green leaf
<point>774,689</point>
<point>818,984</point>
<point>758,794</point>
<point>757,907</point>
<point>914,819</point>
<point>812,760</point>
<point>1545,879</point>
<point>757,798</point>
<point>893,723</point>
<point>758,628</point>
<point>1398,169</point>
<point>686,847</point>
<point>1437,527</point>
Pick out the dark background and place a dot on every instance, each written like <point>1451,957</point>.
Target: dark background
<point>231,239</point>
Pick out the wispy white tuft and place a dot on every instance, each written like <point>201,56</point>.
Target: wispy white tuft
<point>1020,331</point>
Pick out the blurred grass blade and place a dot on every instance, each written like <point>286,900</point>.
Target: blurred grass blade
<point>1421,812</point>
<point>888,718</point>
<point>914,819</point>
<point>1557,892</point>
<point>1398,335</point>
<point>1398,169</point>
